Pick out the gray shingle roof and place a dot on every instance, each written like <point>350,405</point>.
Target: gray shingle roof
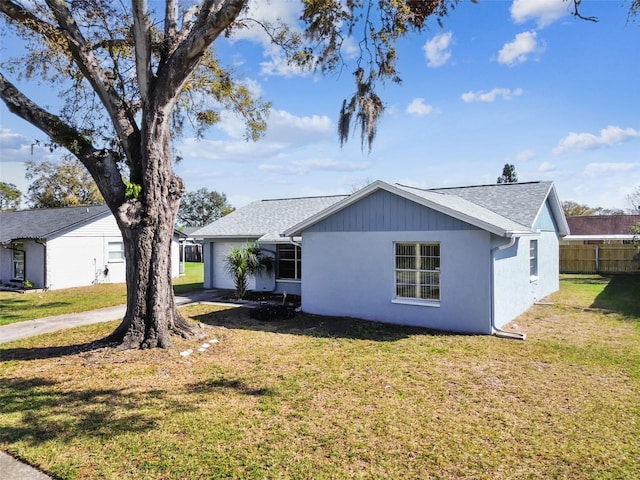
<point>266,219</point>
<point>463,208</point>
<point>520,202</point>
<point>500,208</point>
<point>42,223</point>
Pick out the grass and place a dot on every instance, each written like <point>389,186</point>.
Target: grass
<point>325,398</point>
<point>15,307</point>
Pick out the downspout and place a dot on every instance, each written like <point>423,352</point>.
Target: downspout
<point>498,332</point>
<point>299,245</point>
<point>44,266</point>
<point>293,242</point>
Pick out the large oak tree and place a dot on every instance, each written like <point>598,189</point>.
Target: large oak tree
<point>129,73</point>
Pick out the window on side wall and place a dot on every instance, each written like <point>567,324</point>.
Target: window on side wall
<point>289,263</point>
<point>533,258</point>
<point>418,271</point>
<point>116,252</point>
<point>18,261</point>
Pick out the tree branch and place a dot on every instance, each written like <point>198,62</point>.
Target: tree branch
<point>576,12</point>
<point>212,19</point>
<point>171,20</point>
<point>122,119</point>
<point>100,163</point>
<point>142,46</point>
<point>23,16</point>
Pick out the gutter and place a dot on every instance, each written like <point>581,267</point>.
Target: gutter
<point>498,332</point>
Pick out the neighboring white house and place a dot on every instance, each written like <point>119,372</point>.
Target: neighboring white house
<point>64,247</point>
<point>466,259</point>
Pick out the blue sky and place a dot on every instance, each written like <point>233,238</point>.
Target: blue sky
<point>519,82</point>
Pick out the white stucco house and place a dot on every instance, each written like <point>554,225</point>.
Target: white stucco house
<point>64,247</point>
<point>467,259</point>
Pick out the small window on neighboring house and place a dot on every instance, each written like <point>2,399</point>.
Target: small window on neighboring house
<point>116,252</point>
<point>289,262</point>
<point>418,271</point>
<point>18,261</point>
<point>533,258</point>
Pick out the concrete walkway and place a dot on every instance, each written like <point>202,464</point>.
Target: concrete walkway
<point>29,328</point>
<point>10,467</point>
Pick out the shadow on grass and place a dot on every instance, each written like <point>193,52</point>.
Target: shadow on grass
<point>621,295</point>
<point>88,413</point>
<point>210,386</point>
<point>40,353</point>
<point>187,287</point>
<point>582,279</point>
<point>315,326</point>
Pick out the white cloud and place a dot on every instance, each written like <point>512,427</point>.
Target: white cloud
<point>544,12</point>
<point>437,50</point>
<point>17,147</point>
<point>524,155</point>
<point>580,142</point>
<point>505,93</point>
<point>278,65</point>
<point>518,51</point>
<point>546,167</point>
<point>9,139</point>
<point>267,12</point>
<point>287,128</point>
<point>418,107</point>
<point>288,12</point>
<point>284,131</point>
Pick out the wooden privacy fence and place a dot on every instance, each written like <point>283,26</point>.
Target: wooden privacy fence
<point>191,252</point>
<point>605,258</point>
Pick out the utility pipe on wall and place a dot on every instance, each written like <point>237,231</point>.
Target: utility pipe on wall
<point>498,332</point>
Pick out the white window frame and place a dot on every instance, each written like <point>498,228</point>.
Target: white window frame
<point>117,249</point>
<point>533,259</point>
<point>419,272</point>
<point>297,263</point>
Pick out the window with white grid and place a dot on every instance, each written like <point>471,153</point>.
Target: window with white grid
<point>289,262</point>
<point>418,271</point>
<point>533,258</point>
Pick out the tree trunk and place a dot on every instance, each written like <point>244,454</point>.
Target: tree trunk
<point>147,226</point>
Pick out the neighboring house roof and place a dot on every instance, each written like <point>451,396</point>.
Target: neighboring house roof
<point>602,226</point>
<point>265,220</point>
<point>42,223</point>
<point>502,209</point>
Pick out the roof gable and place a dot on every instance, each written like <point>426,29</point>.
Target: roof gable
<point>446,203</point>
<point>42,223</point>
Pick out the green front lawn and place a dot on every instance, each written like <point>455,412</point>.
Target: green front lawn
<point>16,307</point>
<point>330,398</point>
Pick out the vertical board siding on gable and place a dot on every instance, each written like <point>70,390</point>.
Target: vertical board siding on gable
<point>383,211</point>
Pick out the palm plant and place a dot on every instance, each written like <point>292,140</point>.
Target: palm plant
<point>245,262</point>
